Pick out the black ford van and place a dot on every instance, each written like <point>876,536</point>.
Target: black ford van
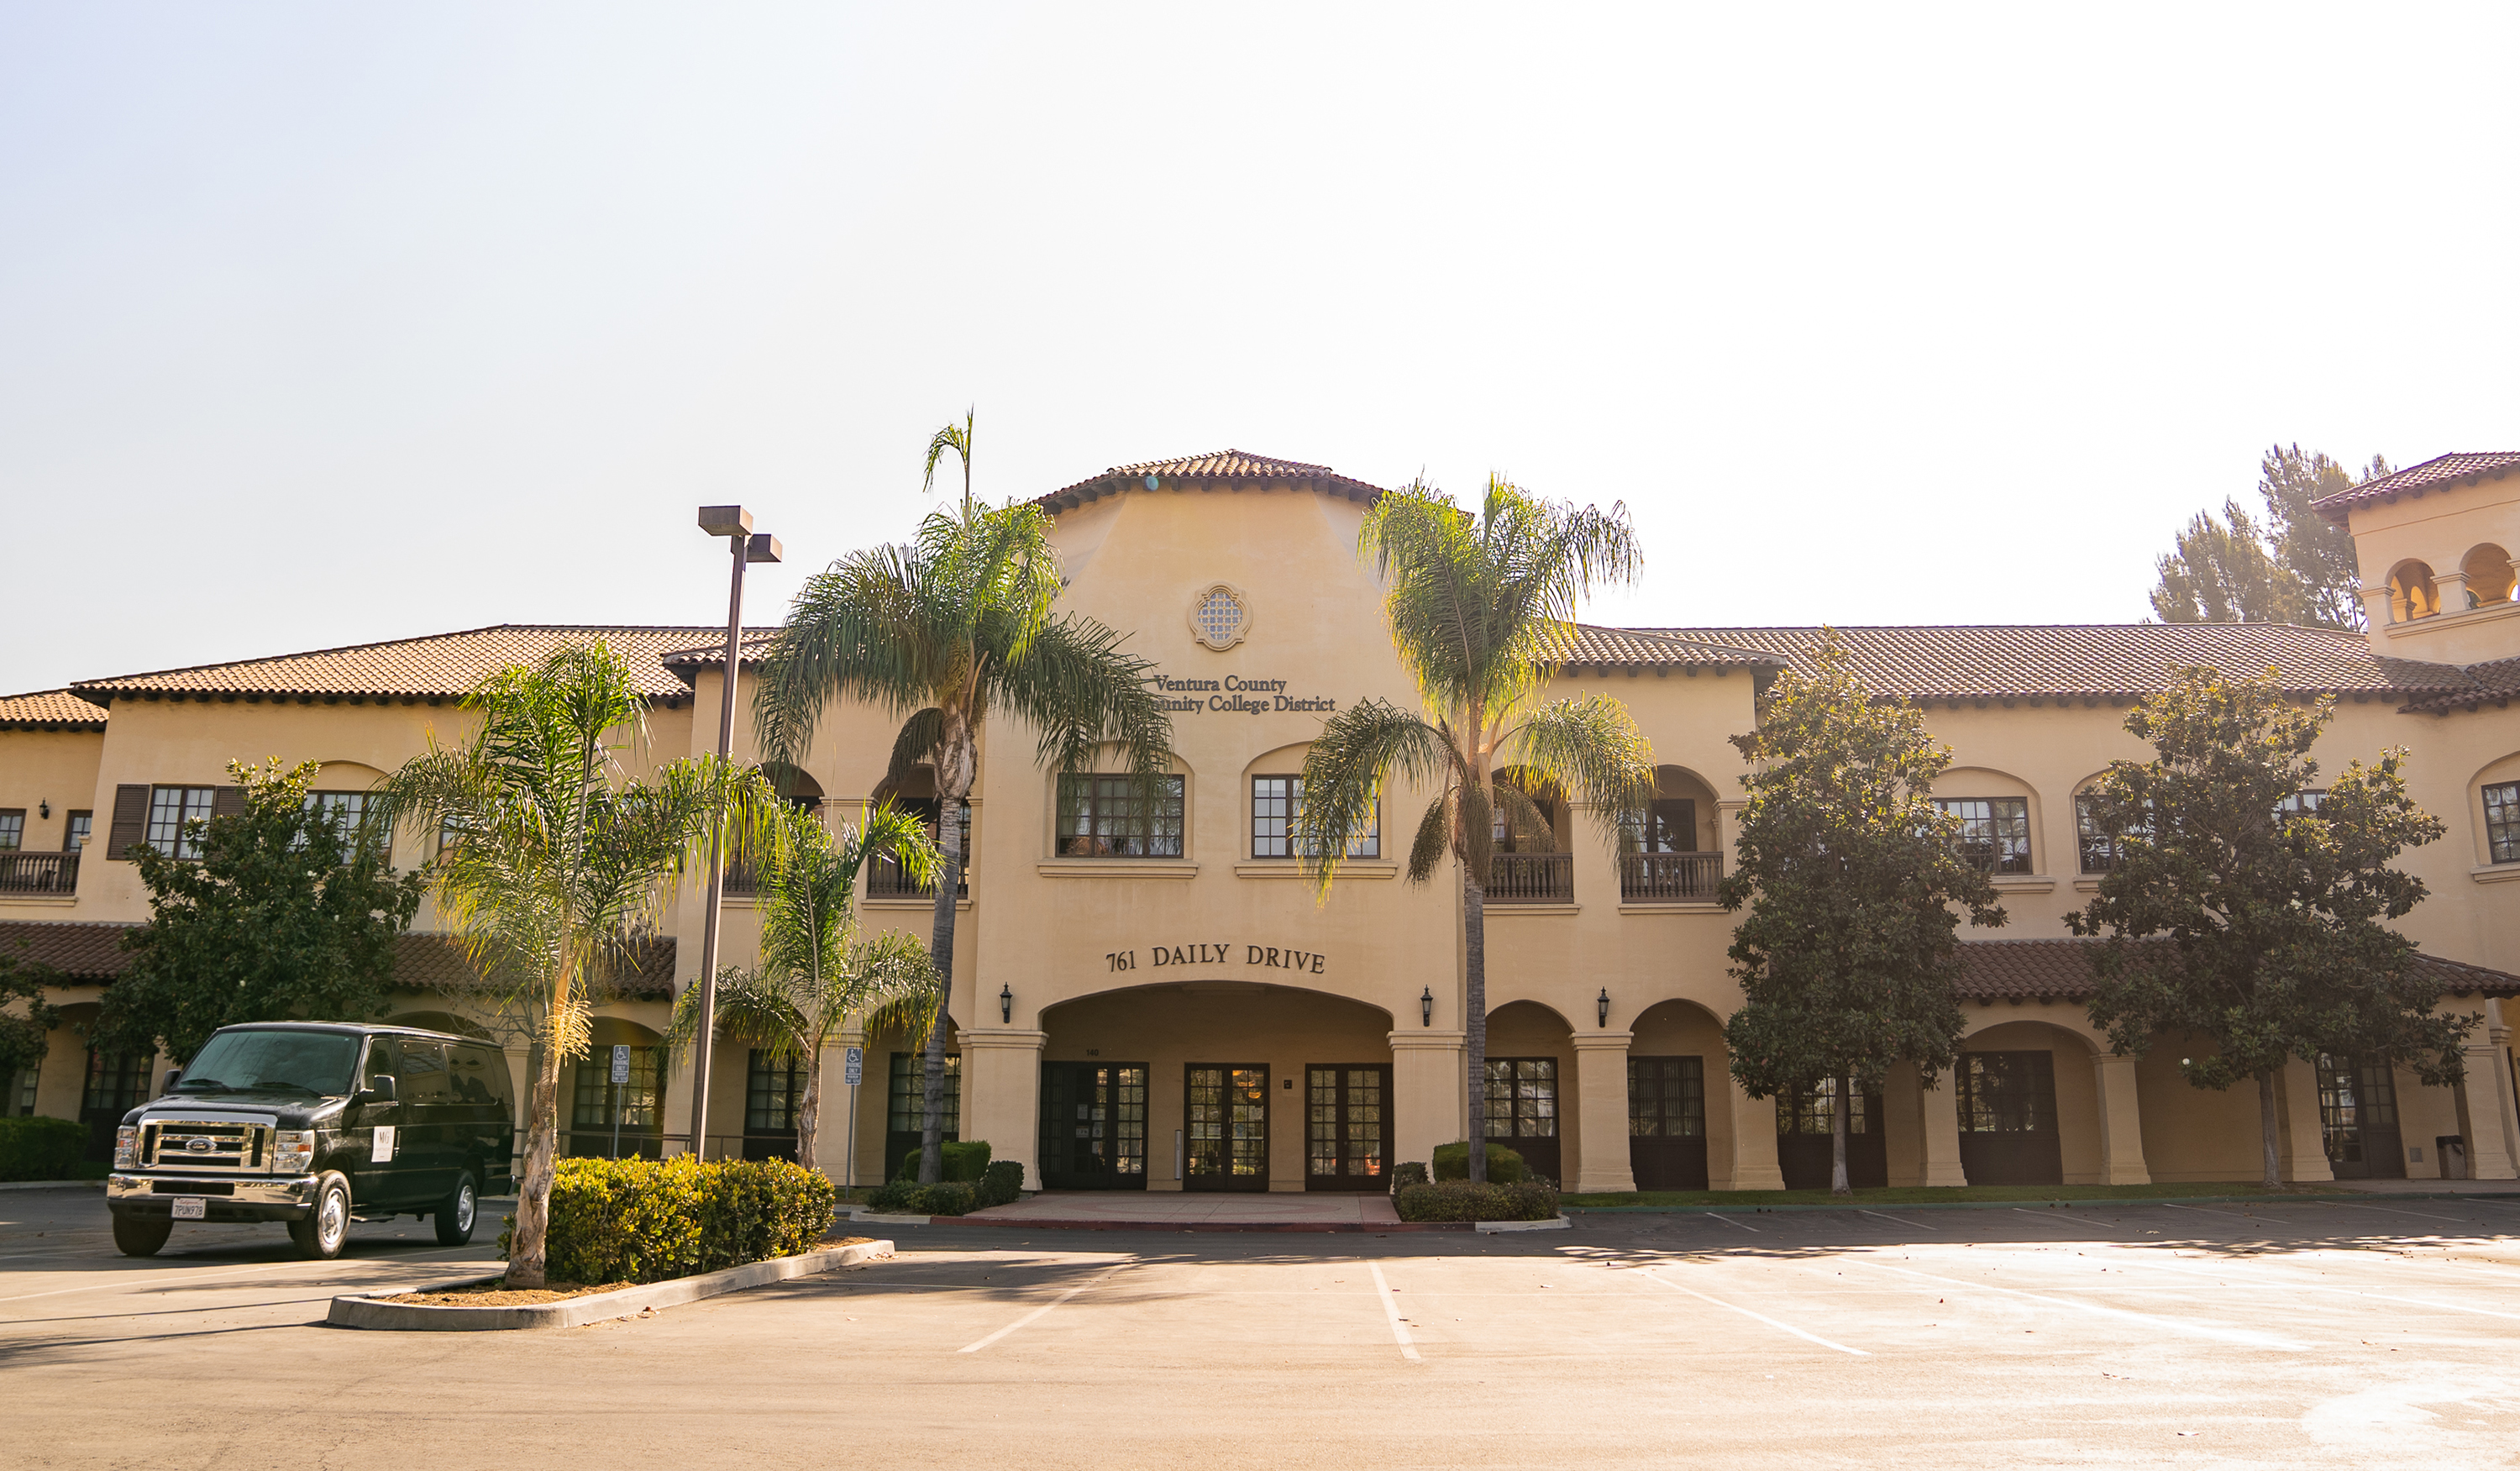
<point>309,1122</point>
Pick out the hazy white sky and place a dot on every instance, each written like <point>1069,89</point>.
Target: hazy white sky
<point>326,324</point>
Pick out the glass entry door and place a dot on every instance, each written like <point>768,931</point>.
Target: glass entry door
<point>1093,1125</point>
<point>1667,1123</point>
<point>1225,1119</point>
<point>2358,1113</point>
<point>1346,1113</point>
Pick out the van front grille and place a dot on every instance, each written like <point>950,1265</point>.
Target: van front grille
<point>205,1144</point>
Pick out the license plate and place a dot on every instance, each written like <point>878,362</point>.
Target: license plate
<point>188,1208</point>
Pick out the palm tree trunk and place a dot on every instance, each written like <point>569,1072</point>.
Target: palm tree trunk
<point>940,954</point>
<point>1837,1184</point>
<point>1474,1020</point>
<point>809,1106</point>
<point>2266,1128</point>
<point>528,1250</point>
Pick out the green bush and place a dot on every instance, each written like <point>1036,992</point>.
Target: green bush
<point>41,1148</point>
<point>961,1161</point>
<point>1463,1200</point>
<point>1001,1183</point>
<point>1504,1167</point>
<point>649,1220</point>
<point>946,1198</point>
<point>1411,1173</point>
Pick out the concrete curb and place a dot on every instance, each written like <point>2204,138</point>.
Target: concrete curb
<point>2341,1197</point>
<point>870,1218</point>
<point>52,1185</point>
<point>1171,1227</point>
<point>364,1310</point>
<point>1554,1224</point>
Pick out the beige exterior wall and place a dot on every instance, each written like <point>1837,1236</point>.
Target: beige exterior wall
<point>2455,535</point>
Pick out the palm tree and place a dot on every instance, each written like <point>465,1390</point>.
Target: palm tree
<point>816,974</point>
<point>1483,613</point>
<point>943,629</point>
<point>555,863</point>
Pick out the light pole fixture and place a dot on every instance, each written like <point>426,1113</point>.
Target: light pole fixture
<point>744,545</point>
<point>1426,1008</point>
<point>1602,1007</point>
<point>1006,1003</point>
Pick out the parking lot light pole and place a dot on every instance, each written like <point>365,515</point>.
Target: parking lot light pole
<point>745,545</point>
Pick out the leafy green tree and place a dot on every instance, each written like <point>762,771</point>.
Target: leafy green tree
<point>25,1035</point>
<point>944,630</point>
<point>2293,566</point>
<point>2240,911</point>
<point>1481,611</point>
<point>557,861</point>
<point>817,973</point>
<point>1849,956</point>
<point>284,914</point>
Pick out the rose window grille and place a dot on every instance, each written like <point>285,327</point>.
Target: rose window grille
<point>1219,619</point>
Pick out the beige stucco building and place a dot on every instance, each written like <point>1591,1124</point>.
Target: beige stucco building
<point>1156,999</point>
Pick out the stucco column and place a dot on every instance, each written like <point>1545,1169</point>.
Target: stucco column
<point>1754,1143</point>
<point>2121,1122</point>
<point>2450,589</point>
<point>2301,1148</point>
<point>1602,1101</point>
<point>1939,1134</point>
<point>1428,1088</point>
<point>1002,1094</point>
<point>2375,605</point>
<point>1595,873</point>
<point>2484,1111</point>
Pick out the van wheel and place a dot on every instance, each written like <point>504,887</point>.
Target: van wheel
<point>320,1233</point>
<point>138,1236</point>
<point>456,1213</point>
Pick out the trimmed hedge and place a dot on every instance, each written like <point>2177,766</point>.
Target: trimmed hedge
<point>1003,1182</point>
<point>1405,1176</point>
<point>1461,1200</point>
<point>962,1160</point>
<point>1505,1166</point>
<point>32,1148</point>
<point>650,1220</point>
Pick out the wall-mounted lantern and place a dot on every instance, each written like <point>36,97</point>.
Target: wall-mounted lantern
<point>1426,1008</point>
<point>1006,1003</point>
<point>1602,1007</point>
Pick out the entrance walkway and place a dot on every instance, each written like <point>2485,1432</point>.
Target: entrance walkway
<point>1187,1211</point>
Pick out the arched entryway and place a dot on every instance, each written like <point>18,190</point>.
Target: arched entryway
<point>1676,1070</point>
<point>1215,1086</point>
<point>609,1120</point>
<point>2029,1106</point>
<point>1531,1068</point>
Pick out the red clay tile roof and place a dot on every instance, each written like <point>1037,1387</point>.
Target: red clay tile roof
<point>2497,684</point>
<point>92,953</point>
<point>434,667</point>
<point>2060,970</point>
<point>1224,470</point>
<point>2041,661</point>
<point>49,710</point>
<point>2438,473</point>
<point>1601,647</point>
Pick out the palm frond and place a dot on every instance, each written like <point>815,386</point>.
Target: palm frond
<point>1591,748</point>
<point>916,745</point>
<point>1079,692</point>
<point>1347,769</point>
<point>1435,840</point>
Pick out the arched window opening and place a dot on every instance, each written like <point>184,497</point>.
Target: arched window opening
<point>2410,593</point>
<point>2489,575</point>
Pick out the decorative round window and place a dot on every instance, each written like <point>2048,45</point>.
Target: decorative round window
<point>1220,617</point>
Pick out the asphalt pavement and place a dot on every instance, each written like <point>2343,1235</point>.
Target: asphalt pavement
<point>2296,1334</point>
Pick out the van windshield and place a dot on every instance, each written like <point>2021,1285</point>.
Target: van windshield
<point>307,1063</point>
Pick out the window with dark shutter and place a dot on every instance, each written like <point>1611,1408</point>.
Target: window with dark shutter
<point>130,820</point>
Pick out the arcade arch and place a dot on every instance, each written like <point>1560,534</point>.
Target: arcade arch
<point>2029,1105</point>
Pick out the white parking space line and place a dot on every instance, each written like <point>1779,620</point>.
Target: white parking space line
<point>1661,1282</point>
<point>182,1277</point>
<point>2388,1211</point>
<point>1901,1219</point>
<point>1036,1314</point>
<point>2246,1336</point>
<point>1728,1220</point>
<point>2202,1211</point>
<point>1391,1310</point>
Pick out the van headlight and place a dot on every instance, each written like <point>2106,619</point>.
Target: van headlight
<point>293,1151</point>
<point>127,1147</point>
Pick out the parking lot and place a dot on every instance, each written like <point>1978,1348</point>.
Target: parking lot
<point>2361,1334</point>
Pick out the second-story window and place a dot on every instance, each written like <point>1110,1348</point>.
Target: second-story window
<point>1995,831</point>
<point>74,833</point>
<point>13,829</point>
<point>171,809</point>
<point>1119,817</point>
<point>351,810</point>
<point>2301,804</point>
<point>1276,802</point>
<point>2503,823</point>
